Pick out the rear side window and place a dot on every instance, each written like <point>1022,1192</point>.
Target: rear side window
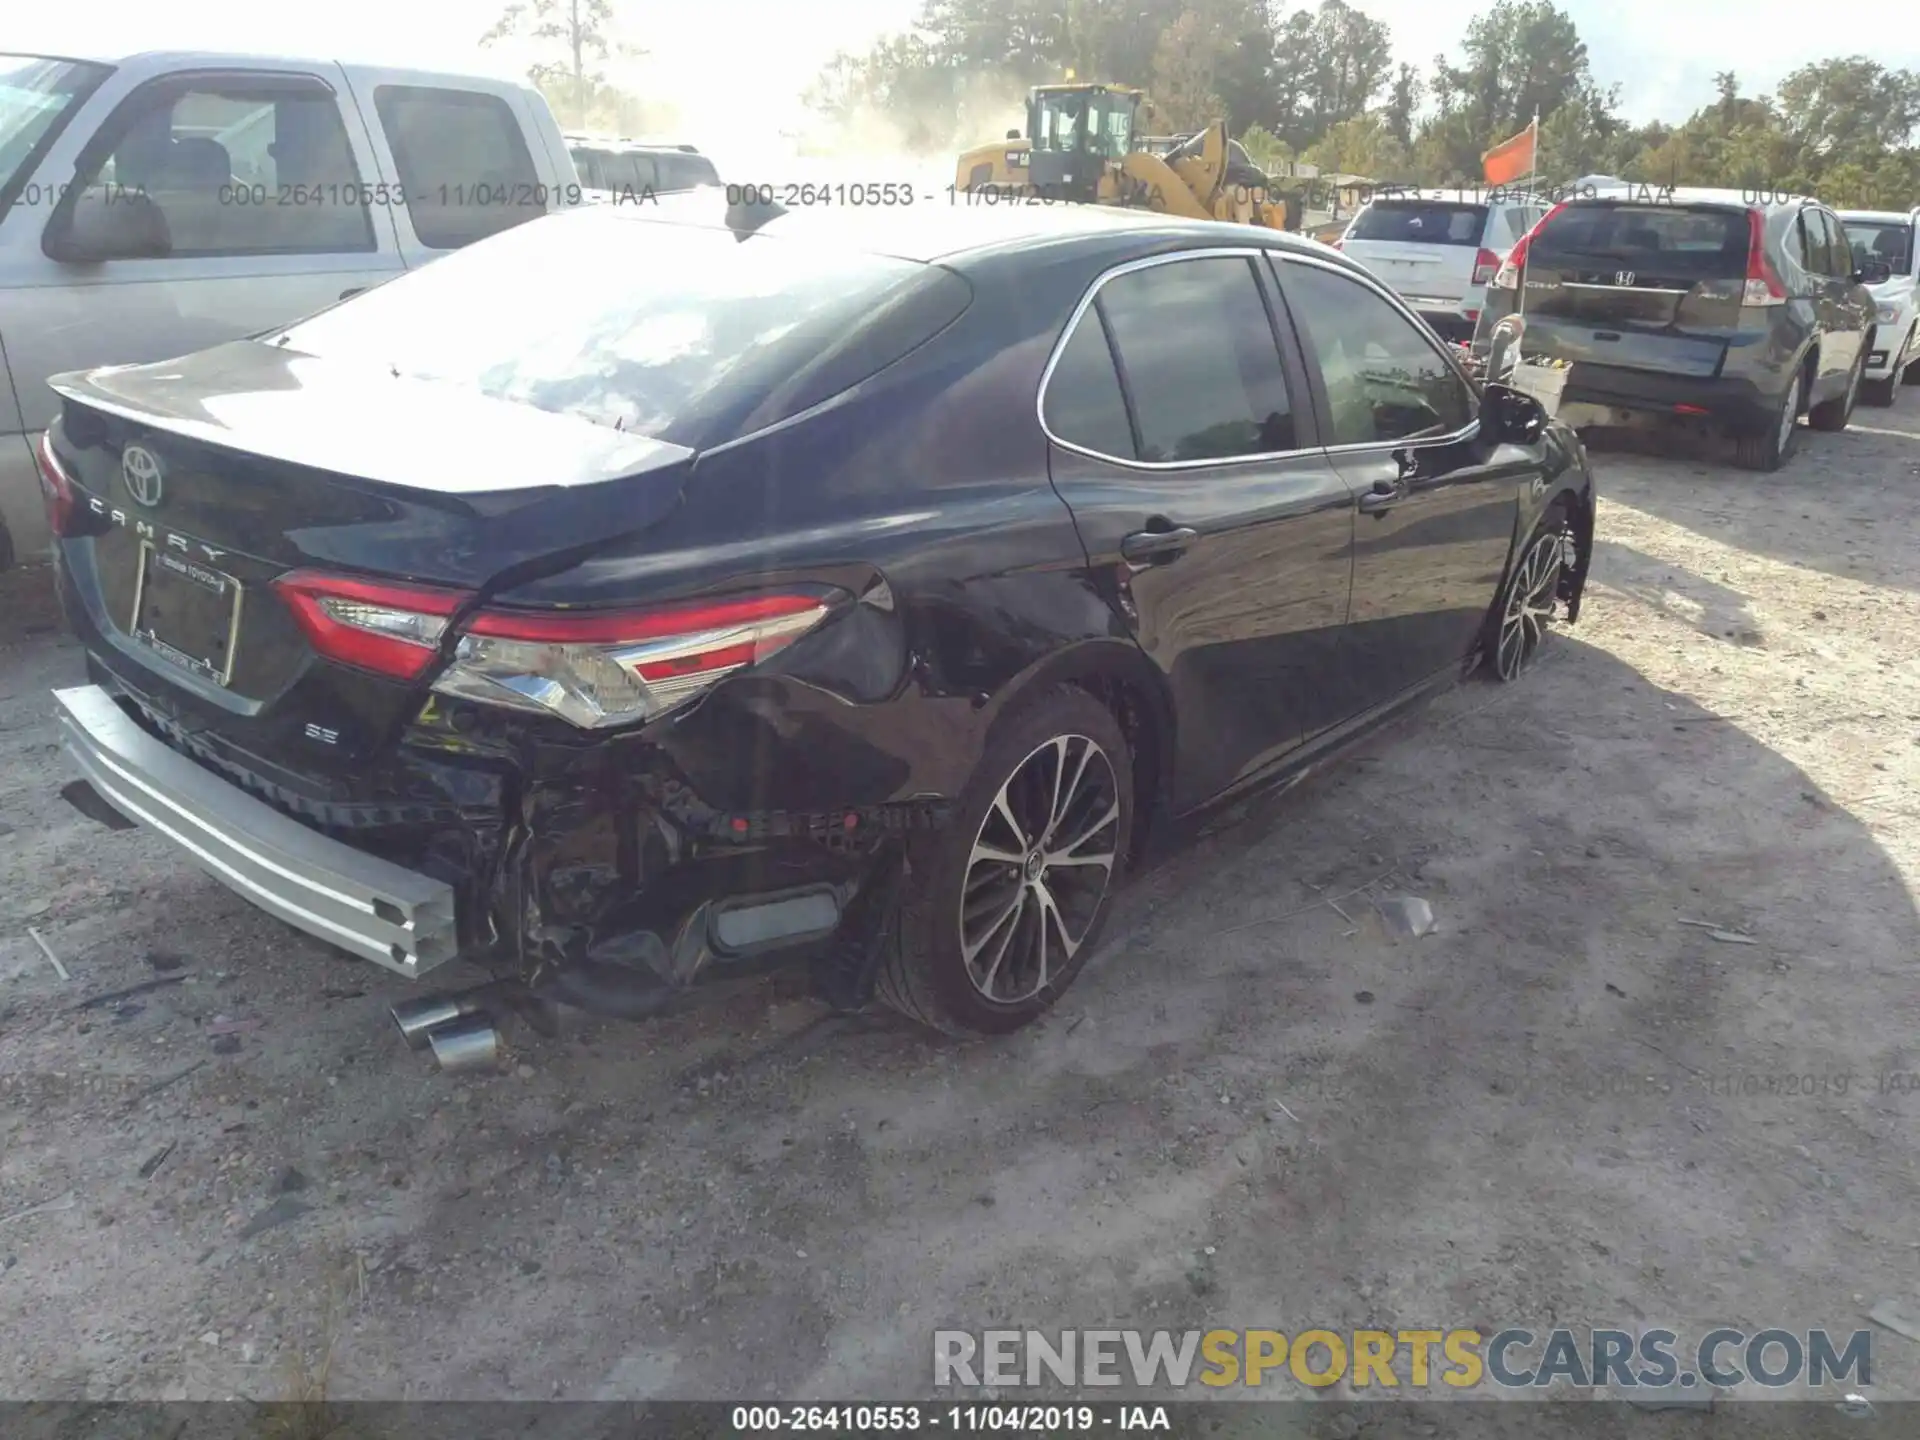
<point>463,162</point>
<point>1201,364</point>
<point>1084,406</point>
<point>686,333</point>
<point>683,172</point>
<point>1421,223</point>
<point>1668,240</point>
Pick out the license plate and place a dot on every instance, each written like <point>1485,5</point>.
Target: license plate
<point>187,611</point>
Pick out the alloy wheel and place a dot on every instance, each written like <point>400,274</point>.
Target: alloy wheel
<point>1039,868</point>
<point>1531,603</point>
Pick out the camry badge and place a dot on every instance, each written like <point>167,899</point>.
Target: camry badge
<point>140,471</point>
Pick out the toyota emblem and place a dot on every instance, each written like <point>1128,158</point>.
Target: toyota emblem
<point>140,469</point>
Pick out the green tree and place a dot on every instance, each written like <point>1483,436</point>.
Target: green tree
<point>1329,66</point>
<point>1402,101</point>
<point>575,39</point>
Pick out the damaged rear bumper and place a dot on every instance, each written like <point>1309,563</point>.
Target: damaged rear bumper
<point>372,908</point>
<point>595,877</point>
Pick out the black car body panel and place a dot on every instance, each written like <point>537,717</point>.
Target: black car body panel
<point>898,468</point>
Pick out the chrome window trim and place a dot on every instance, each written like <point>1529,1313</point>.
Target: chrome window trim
<point>1434,343</point>
<point>1216,252</point>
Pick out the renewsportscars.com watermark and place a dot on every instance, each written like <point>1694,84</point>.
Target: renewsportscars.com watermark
<point>1513,1359</point>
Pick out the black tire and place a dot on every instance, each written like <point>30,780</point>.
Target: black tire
<point>1833,415</point>
<point>1912,375</point>
<point>925,972</point>
<point>1767,449</point>
<point>1878,393</point>
<point>1519,620</point>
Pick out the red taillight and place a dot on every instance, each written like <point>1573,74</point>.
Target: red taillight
<point>1507,277</point>
<point>597,668</point>
<point>390,629</point>
<point>56,486</point>
<point>1691,410</point>
<point>1485,265</point>
<point>1763,282</point>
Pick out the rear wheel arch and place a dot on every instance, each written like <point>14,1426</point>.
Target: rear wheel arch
<point>1122,679</point>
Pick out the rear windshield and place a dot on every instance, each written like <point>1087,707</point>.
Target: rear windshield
<point>1696,241</point>
<point>683,333</point>
<point>1880,240</point>
<point>1420,222</point>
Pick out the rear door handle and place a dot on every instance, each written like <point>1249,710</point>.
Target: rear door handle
<point>1383,497</point>
<point>1151,544</point>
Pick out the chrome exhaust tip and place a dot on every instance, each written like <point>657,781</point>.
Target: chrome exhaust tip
<point>468,1043</point>
<point>423,1014</point>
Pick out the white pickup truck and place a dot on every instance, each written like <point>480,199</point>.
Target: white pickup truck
<point>159,203</point>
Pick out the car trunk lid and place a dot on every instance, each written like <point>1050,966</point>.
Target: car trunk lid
<point>199,482</point>
<point>1643,287</point>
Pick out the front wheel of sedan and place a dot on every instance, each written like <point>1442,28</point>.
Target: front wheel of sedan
<point>1529,601</point>
<point>1001,909</point>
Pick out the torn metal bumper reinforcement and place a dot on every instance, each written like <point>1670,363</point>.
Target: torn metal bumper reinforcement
<point>609,907</point>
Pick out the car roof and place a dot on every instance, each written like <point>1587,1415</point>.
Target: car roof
<point>931,229</point>
<point>1882,217</point>
<point>1692,195</point>
<point>163,61</point>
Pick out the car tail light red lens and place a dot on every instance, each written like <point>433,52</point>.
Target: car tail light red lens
<point>1763,282</point>
<point>598,668</point>
<point>1507,277</point>
<point>56,487</point>
<point>1485,265</point>
<point>392,630</point>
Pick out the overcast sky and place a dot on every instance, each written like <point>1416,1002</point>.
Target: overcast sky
<point>725,61</point>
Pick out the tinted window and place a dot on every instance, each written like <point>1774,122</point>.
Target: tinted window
<point>687,333</point>
<point>1819,244</point>
<point>1420,222</point>
<point>240,168</point>
<point>1385,381</point>
<point>1839,252</point>
<point>1871,240</point>
<point>1202,368</point>
<point>463,163</point>
<point>680,171</point>
<point>1666,240</point>
<point>1084,405</point>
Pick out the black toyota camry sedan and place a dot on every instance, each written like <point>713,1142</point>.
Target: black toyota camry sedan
<point>649,594</point>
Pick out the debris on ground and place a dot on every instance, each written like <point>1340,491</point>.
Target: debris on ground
<point>65,1202</point>
<point>1731,937</point>
<point>47,950</point>
<point>164,960</point>
<point>111,997</point>
<point>281,1212</point>
<point>1900,1316</point>
<point>1406,914</point>
<point>154,1161</point>
<point>290,1180</point>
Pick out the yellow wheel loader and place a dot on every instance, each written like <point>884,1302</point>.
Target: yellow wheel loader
<point>1080,146</point>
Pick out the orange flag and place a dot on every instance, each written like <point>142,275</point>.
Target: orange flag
<point>1510,159</point>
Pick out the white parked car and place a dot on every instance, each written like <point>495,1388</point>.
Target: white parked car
<point>1894,240</point>
<point>156,204</point>
<point>1439,254</point>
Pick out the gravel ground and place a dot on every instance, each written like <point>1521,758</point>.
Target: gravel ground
<point>1255,1109</point>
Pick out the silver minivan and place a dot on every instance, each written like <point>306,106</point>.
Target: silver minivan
<point>156,204</point>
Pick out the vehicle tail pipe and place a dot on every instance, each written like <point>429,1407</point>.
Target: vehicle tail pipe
<point>420,1016</point>
<point>469,1043</point>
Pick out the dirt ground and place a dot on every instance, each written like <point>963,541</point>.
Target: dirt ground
<point>1563,1106</point>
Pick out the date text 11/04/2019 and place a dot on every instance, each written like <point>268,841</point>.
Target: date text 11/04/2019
<point>960,1419</point>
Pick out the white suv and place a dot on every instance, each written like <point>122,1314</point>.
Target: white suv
<point>1439,254</point>
<point>1893,239</point>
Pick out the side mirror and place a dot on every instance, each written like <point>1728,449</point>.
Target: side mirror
<point>1513,415</point>
<point>107,224</point>
<point>1873,272</point>
<point>1503,348</point>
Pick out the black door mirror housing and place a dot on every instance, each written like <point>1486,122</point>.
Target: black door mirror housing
<point>1513,415</point>
<point>1873,272</point>
<point>107,224</point>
